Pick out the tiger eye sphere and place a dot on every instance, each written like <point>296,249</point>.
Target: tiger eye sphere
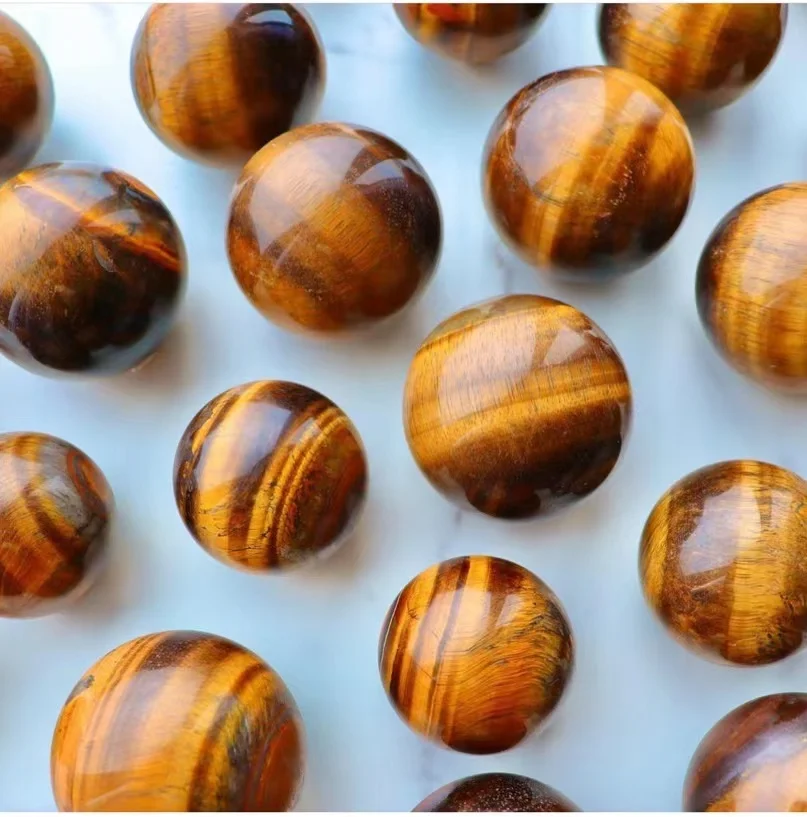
<point>723,562</point>
<point>55,507</point>
<point>269,475</point>
<point>517,406</point>
<point>216,81</point>
<point>752,759</point>
<point>475,33</point>
<point>475,654</point>
<point>496,792</point>
<point>178,721</point>
<point>588,172</point>
<point>93,270</point>
<point>26,97</point>
<point>333,227</point>
<point>701,55</point>
<point>752,287</point>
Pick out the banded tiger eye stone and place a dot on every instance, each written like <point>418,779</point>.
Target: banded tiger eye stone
<point>55,506</point>
<point>588,172</point>
<point>475,654</point>
<point>269,475</point>
<point>217,81</point>
<point>753,759</point>
<point>517,406</point>
<point>751,287</point>
<point>475,33</point>
<point>701,55</point>
<point>93,270</point>
<point>496,792</point>
<point>333,227</point>
<point>178,721</point>
<point>26,97</point>
<point>723,562</point>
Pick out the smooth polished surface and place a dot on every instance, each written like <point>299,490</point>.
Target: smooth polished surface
<point>333,227</point>
<point>55,507</point>
<point>178,721</point>
<point>269,475</point>
<point>476,33</point>
<point>494,792</point>
<point>517,406</point>
<point>217,81</point>
<point>588,172</point>
<point>702,55</point>
<point>751,287</point>
<point>475,653</point>
<point>752,759</point>
<point>93,270</point>
<point>26,97</point>
<point>724,561</point>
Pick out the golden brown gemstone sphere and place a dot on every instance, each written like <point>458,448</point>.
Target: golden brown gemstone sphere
<point>475,653</point>
<point>269,475</point>
<point>333,227</point>
<point>496,792</point>
<point>26,97</point>
<point>517,406</point>
<point>702,55</point>
<point>178,721</point>
<point>217,81</point>
<point>752,287</point>
<point>723,562</point>
<point>753,759</point>
<point>93,270</point>
<point>588,172</point>
<point>55,507</point>
<point>475,33</point>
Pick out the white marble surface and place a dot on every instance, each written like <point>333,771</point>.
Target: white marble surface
<point>639,703</point>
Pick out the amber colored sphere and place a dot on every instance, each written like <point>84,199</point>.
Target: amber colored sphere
<point>752,287</point>
<point>475,33</point>
<point>702,55</point>
<point>55,507</point>
<point>178,721</point>
<point>475,654</point>
<point>26,97</point>
<point>753,759</point>
<point>333,227</point>
<point>723,562</point>
<point>269,475</point>
<point>588,172</point>
<point>93,270</point>
<point>217,81</point>
<point>496,792</point>
<point>517,406</point>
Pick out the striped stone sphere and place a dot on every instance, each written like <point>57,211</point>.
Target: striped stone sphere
<point>178,721</point>
<point>55,507</point>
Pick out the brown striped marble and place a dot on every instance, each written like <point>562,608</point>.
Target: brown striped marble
<point>333,227</point>
<point>588,172</point>
<point>701,55</point>
<point>217,81</point>
<point>752,287</point>
<point>26,97</point>
<point>93,270</point>
<point>498,791</point>
<point>475,653</point>
<point>517,406</point>
<point>753,759</point>
<point>723,562</point>
<point>269,475</point>
<point>55,506</point>
<point>475,33</point>
<point>178,721</point>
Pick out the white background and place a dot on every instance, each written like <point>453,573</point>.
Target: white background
<point>638,704</point>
